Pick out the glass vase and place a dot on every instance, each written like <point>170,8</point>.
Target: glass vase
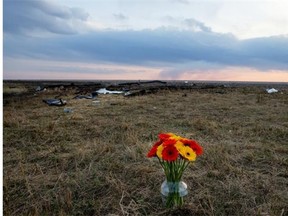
<point>173,193</point>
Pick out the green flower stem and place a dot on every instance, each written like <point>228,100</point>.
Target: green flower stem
<point>174,169</point>
<point>174,199</point>
<point>173,172</point>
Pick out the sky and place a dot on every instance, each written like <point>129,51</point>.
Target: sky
<point>217,40</point>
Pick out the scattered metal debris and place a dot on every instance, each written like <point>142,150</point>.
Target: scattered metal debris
<point>92,96</point>
<point>142,82</point>
<point>39,89</point>
<point>68,110</point>
<point>137,92</point>
<point>105,91</point>
<point>272,90</point>
<point>55,102</point>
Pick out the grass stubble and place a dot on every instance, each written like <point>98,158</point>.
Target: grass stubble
<point>93,161</point>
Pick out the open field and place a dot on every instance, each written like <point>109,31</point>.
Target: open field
<point>92,161</point>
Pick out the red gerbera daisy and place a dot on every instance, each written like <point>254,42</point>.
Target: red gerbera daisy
<point>194,145</point>
<point>152,152</point>
<point>170,153</point>
<point>169,141</point>
<point>164,136</point>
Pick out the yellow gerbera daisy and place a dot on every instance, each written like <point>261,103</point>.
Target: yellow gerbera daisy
<point>179,146</point>
<point>159,151</point>
<point>188,153</point>
<point>175,136</point>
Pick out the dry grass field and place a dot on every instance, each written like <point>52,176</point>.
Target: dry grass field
<point>93,161</point>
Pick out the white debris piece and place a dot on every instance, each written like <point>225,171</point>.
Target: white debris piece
<point>105,91</point>
<point>39,88</point>
<point>272,90</point>
<point>127,93</point>
<point>68,110</point>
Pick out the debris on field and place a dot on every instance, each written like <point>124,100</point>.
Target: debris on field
<point>92,96</point>
<point>68,110</point>
<point>138,92</point>
<point>55,102</point>
<point>105,91</point>
<point>272,90</point>
<point>39,88</point>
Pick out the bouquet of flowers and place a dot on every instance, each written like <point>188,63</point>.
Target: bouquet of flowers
<point>174,154</point>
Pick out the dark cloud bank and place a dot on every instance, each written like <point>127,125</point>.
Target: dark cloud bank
<point>154,47</point>
<point>24,16</point>
<point>157,47</point>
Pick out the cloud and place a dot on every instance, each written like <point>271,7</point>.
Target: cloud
<point>155,47</point>
<point>182,48</point>
<point>190,24</point>
<point>120,16</point>
<point>181,1</point>
<point>190,50</point>
<point>196,25</point>
<point>29,16</point>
